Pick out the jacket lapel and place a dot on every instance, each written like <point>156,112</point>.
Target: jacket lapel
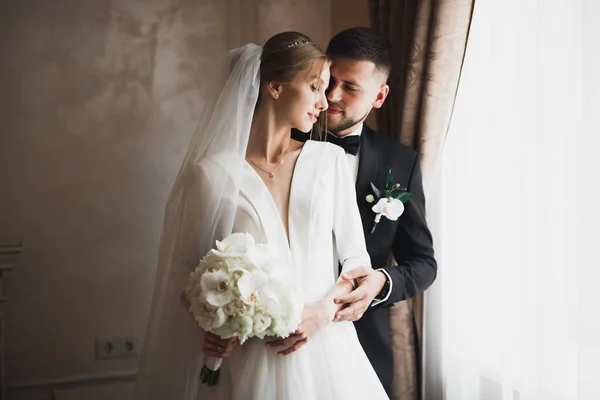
<point>368,165</point>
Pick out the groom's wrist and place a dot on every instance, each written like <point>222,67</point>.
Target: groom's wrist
<point>386,289</point>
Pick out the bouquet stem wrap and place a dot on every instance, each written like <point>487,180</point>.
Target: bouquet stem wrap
<point>209,375</point>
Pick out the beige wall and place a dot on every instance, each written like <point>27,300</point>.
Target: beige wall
<point>98,99</point>
<point>311,17</point>
<point>348,14</point>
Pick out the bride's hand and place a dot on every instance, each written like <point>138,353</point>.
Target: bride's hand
<point>214,346</point>
<point>314,317</point>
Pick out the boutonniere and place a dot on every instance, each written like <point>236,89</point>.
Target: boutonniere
<point>389,201</point>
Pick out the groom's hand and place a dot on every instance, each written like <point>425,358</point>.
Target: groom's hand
<point>370,283</point>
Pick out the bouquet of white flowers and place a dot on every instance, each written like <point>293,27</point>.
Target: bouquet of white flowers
<point>239,289</point>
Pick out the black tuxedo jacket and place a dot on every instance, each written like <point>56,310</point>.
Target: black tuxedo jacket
<point>408,239</point>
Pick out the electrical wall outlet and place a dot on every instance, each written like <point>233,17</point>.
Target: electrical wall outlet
<point>117,347</point>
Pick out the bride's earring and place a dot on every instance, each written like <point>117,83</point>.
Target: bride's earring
<point>274,88</point>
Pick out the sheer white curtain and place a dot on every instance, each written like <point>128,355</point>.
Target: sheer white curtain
<point>514,313</point>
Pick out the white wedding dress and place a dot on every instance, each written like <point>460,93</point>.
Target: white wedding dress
<point>324,225</point>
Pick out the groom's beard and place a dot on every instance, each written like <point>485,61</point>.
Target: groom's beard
<point>344,124</point>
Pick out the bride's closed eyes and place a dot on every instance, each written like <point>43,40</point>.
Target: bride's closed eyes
<point>317,85</point>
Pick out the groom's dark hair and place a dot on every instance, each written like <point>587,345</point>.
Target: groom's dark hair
<point>362,44</point>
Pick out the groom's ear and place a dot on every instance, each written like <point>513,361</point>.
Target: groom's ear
<point>274,88</point>
<point>384,90</point>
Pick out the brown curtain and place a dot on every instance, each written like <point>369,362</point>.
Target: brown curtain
<point>429,39</point>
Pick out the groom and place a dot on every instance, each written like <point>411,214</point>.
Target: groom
<point>361,64</point>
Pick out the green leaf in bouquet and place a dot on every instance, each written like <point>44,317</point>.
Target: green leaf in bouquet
<point>404,197</point>
<point>376,191</point>
<point>389,180</point>
<point>394,193</point>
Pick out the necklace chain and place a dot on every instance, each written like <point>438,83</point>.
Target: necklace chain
<point>271,173</point>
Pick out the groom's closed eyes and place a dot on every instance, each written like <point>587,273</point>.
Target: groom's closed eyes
<point>346,85</point>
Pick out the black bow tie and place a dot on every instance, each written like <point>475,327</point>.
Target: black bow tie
<point>349,143</point>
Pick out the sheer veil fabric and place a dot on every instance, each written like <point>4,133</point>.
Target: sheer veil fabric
<point>201,208</point>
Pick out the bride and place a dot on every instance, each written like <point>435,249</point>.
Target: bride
<point>244,173</point>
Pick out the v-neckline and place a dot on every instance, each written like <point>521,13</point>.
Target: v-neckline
<point>288,234</point>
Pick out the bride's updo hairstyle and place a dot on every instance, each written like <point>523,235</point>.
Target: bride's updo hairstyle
<point>289,55</point>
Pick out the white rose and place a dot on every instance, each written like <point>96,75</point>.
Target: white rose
<point>210,319</point>
<point>242,326</point>
<point>261,324</point>
<point>216,289</point>
<point>224,331</point>
<point>389,208</point>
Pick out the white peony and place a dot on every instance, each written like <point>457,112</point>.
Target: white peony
<point>280,327</point>
<point>389,208</point>
<point>216,289</point>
